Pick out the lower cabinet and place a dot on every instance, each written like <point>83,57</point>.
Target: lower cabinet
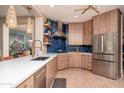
<point>87,62</point>
<point>74,60</point>
<point>40,78</point>
<point>63,61</point>
<point>28,83</point>
<point>45,76</point>
<point>51,70</point>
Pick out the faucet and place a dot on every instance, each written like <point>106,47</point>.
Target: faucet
<point>77,49</point>
<point>33,47</point>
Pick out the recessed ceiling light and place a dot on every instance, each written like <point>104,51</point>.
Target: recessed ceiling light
<point>51,6</point>
<point>75,16</point>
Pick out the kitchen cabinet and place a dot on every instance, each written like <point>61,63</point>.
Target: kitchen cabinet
<point>96,24</point>
<point>74,60</point>
<point>86,61</point>
<point>28,83</point>
<point>51,70</point>
<point>63,61</point>
<point>106,22</point>
<point>87,32</point>
<point>72,28</point>
<point>40,78</point>
<point>75,36</point>
<point>80,33</point>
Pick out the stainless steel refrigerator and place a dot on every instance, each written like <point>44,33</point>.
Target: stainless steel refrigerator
<point>104,55</point>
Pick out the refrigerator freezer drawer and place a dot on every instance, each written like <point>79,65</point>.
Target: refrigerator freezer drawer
<point>110,58</point>
<point>104,69</point>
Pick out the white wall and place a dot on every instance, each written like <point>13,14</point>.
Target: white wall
<point>5,41</point>
<point>1,39</point>
<point>39,28</point>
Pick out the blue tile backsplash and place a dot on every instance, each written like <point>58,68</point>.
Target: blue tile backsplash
<point>57,44</point>
<point>82,48</point>
<point>60,44</point>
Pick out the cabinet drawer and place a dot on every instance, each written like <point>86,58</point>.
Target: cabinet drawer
<point>89,67</point>
<point>87,62</point>
<point>61,64</point>
<point>61,67</point>
<point>60,60</point>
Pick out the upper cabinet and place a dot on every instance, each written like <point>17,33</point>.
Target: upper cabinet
<point>87,32</point>
<point>106,22</point>
<point>72,28</point>
<point>75,36</point>
<point>80,33</point>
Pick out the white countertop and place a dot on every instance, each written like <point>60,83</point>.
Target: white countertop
<point>15,71</point>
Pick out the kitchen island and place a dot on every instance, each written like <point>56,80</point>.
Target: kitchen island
<point>15,71</point>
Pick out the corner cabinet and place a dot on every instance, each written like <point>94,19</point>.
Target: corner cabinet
<point>63,61</point>
<point>74,60</point>
<point>51,70</point>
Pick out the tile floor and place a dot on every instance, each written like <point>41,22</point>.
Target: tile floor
<point>81,78</point>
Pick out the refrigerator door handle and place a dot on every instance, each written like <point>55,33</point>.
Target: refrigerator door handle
<point>102,43</point>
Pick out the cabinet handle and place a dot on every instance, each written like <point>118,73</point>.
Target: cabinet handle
<point>102,38</point>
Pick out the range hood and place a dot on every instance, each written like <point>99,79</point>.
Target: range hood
<point>59,32</point>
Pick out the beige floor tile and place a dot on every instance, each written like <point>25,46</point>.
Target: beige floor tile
<point>81,78</point>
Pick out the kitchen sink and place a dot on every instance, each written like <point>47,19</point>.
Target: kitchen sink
<point>40,58</point>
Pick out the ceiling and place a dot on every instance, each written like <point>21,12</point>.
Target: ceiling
<point>20,10</point>
<point>64,12</point>
<point>61,12</point>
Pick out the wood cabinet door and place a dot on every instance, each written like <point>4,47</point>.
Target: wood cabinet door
<point>71,34</point>
<point>114,20</point>
<point>72,28</point>
<point>72,39</point>
<point>96,25</point>
<point>75,36</point>
<point>87,62</point>
<point>77,60</point>
<point>79,34</point>
<point>28,83</point>
<point>87,32</point>
<point>78,38</point>
<point>51,70</point>
<point>66,60</point>
<point>72,60</point>
<point>63,61</point>
<point>79,27</point>
<point>106,22</point>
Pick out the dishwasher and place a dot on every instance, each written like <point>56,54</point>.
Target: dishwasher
<point>40,78</point>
